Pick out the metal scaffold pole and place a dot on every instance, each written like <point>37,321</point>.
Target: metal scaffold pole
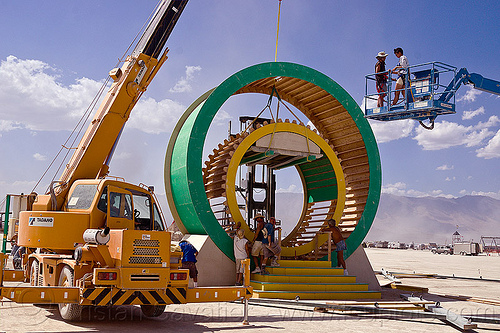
<point>6,224</point>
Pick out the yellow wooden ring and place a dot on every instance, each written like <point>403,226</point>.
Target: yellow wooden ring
<point>238,156</point>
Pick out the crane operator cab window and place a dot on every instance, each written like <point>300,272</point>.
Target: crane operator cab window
<point>120,208</point>
<point>82,196</point>
<point>146,215</point>
<point>130,209</point>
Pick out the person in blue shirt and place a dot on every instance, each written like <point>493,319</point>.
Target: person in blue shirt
<point>270,246</point>
<point>189,254</point>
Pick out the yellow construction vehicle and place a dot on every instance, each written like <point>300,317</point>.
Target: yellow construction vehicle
<point>93,241</point>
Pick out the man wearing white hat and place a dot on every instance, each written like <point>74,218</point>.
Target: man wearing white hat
<point>381,78</point>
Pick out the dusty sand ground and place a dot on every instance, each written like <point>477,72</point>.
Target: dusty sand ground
<point>227,317</point>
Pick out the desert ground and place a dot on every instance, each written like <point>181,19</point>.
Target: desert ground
<point>472,296</point>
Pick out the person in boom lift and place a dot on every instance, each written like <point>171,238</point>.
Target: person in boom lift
<point>381,79</point>
<point>189,254</point>
<point>339,241</point>
<point>403,73</point>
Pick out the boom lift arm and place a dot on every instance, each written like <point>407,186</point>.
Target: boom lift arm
<point>478,81</point>
<point>93,154</point>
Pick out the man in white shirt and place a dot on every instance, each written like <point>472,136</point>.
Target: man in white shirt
<point>241,252</point>
<point>402,70</point>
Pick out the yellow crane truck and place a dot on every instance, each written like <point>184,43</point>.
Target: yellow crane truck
<point>92,240</point>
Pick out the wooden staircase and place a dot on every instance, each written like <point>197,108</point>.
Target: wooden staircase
<point>309,280</point>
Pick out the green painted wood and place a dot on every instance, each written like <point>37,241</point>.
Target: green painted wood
<point>256,157</point>
<point>186,187</point>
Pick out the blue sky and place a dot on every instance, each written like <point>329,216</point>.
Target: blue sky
<point>56,54</point>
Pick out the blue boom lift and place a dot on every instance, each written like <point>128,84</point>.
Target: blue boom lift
<point>425,96</point>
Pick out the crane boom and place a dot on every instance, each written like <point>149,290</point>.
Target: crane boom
<point>91,158</point>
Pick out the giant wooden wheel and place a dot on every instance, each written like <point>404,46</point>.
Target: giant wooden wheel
<point>341,175</point>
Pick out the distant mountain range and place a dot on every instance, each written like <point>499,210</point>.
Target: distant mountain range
<point>419,220</point>
<point>434,219</point>
<point>409,219</point>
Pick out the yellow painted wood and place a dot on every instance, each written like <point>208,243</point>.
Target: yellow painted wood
<point>309,280</point>
<point>275,286</point>
<point>243,148</point>
<point>304,278</point>
<point>318,295</point>
<point>305,271</point>
<point>304,263</point>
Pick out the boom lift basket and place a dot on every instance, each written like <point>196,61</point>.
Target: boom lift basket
<point>425,96</point>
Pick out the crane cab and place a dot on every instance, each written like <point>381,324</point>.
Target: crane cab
<point>425,97</point>
<point>91,204</point>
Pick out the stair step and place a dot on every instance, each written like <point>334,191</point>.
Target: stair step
<point>318,294</point>
<point>303,278</point>
<point>304,263</point>
<point>305,271</point>
<point>305,287</point>
<point>309,279</point>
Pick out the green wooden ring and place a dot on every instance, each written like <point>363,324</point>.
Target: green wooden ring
<point>183,162</point>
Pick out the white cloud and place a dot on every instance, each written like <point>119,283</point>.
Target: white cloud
<point>39,157</point>
<point>445,167</point>
<point>31,97</point>
<point>183,85</point>
<point>447,134</point>
<point>470,95</point>
<point>492,148</point>
<point>221,118</point>
<point>392,130</point>
<point>291,189</point>
<point>17,186</point>
<point>155,117</point>
<point>467,115</point>
<point>6,125</point>
<point>492,121</point>
<point>495,195</point>
<point>449,179</point>
<point>122,156</point>
<point>400,189</point>
<point>386,131</point>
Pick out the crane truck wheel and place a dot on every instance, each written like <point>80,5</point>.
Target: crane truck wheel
<point>152,310</point>
<point>69,312</point>
<point>34,272</point>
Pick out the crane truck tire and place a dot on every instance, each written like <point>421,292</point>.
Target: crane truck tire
<point>34,273</point>
<point>70,312</point>
<point>152,310</point>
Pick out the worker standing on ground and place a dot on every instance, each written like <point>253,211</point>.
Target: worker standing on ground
<point>189,254</point>
<point>257,251</point>
<point>403,74</point>
<point>241,252</point>
<point>381,78</point>
<point>339,241</point>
